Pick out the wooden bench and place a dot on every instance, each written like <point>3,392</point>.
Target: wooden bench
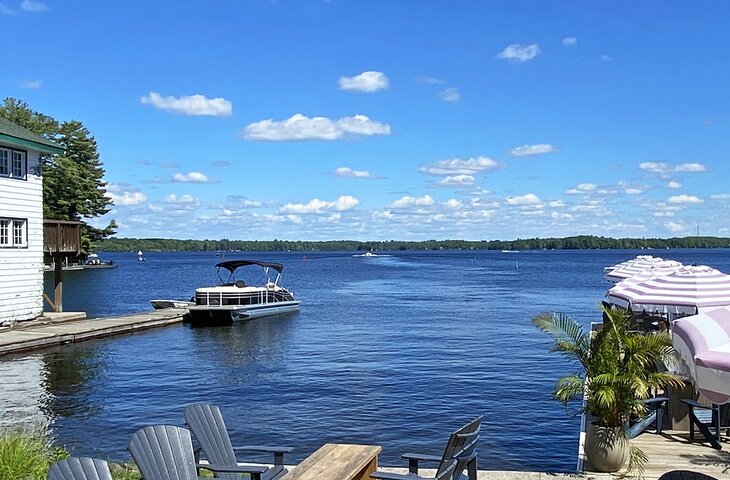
<point>334,461</point>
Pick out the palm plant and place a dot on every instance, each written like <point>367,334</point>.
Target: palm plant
<point>619,367</point>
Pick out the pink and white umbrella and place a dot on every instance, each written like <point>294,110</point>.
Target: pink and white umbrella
<point>702,346</point>
<point>638,265</point>
<point>684,290</point>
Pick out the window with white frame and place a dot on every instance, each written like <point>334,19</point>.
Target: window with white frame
<point>4,161</point>
<point>13,232</point>
<point>19,164</point>
<point>13,163</point>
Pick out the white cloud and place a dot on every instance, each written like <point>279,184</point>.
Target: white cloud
<point>181,200</point>
<point>410,202</point>
<point>5,10</point>
<point>527,199</point>
<point>582,188</point>
<point>365,82</point>
<point>127,198</point>
<point>31,84</point>
<point>347,172</point>
<point>537,149</point>
<point>570,41</point>
<point>605,58</point>
<point>190,105</point>
<point>458,166</point>
<point>300,127</point>
<point>556,204</point>
<point>685,199</point>
<point>720,196</point>
<point>314,206</point>
<point>519,53</point>
<point>674,184</point>
<point>34,7</point>
<point>664,168</point>
<point>674,227</point>
<point>450,95</point>
<point>633,191</point>
<point>457,181</point>
<point>192,177</point>
<point>430,80</point>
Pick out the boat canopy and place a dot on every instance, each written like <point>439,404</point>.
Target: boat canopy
<point>231,265</point>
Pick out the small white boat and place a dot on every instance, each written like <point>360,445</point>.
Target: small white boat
<point>160,304</point>
<point>234,301</point>
<point>140,256</point>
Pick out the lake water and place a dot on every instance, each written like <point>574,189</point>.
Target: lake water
<point>396,350</point>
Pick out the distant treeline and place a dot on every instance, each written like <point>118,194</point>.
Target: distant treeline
<point>567,243</point>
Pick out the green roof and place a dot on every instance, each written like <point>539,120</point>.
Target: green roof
<point>20,137</point>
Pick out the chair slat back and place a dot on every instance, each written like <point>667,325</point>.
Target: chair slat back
<point>163,452</point>
<point>206,423</point>
<point>458,440</point>
<point>447,473</point>
<point>80,468</point>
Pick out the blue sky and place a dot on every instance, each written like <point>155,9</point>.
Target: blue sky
<point>315,120</point>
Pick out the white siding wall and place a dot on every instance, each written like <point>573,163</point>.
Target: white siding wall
<point>21,269</point>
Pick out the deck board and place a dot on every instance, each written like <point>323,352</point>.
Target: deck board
<point>672,450</point>
<point>51,335</point>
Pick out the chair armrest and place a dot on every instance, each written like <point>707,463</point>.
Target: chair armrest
<point>649,401</point>
<point>277,451</point>
<point>261,448</point>
<point>420,456</point>
<point>392,476</point>
<point>414,458</point>
<point>233,468</point>
<point>693,404</point>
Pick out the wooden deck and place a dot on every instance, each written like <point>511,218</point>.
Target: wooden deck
<point>43,335</point>
<point>672,450</point>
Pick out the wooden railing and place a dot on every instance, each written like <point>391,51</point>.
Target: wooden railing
<point>61,236</point>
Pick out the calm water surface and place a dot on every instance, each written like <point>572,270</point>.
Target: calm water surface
<point>396,351</point>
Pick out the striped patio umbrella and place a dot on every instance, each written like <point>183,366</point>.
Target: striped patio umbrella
<point>702,346</point>
<point>684,290</point>
<point>637,265</point>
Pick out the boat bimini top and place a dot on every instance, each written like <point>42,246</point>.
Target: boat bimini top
<point>232,265</point>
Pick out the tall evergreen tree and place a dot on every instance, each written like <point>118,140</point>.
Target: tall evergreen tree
<point>73,182</point>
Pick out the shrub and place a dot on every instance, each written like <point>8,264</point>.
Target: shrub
<point>27,454</point>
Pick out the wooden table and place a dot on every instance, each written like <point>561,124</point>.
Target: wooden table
<point>336,461</point>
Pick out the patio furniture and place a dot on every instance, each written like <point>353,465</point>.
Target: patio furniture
<point>705,417</point>
<point>165,452</point>
<point>79,468</point>
<point>207,425</point>
<point>656,407</point>
<point>685,475</point>
<point>445,474</point>
<point>460,446</point>
<point>333,461</point>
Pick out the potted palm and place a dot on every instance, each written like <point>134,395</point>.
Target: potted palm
<point>619,371</point>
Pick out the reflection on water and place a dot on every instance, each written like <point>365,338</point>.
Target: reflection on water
<point>394,351</point>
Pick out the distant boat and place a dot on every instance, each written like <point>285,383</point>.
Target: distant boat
<point>369,254</point>
<point>140,256</point>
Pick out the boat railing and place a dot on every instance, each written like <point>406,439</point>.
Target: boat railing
<point>250,298</point>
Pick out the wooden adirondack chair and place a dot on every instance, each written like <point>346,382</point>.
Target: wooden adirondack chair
<point>705,417</point>
<point>80,468</point>
<point>461,447</point>
<point>206,423</point>
<point>165,452</point>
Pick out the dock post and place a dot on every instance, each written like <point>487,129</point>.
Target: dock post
<point>58,283</point>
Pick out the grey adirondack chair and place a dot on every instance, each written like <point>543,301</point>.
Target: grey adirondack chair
<point>460,447</point>
<point>165,452</point>
<point>206,423</point>
<point>80,468</point>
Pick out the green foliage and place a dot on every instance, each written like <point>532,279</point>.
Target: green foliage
<point>583,242</point>
<point>73,182</point>
<point>619,368</point>
<point>26,455</point>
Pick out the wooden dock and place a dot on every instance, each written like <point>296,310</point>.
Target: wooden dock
<point>51,334</point>
<point>671,451</point>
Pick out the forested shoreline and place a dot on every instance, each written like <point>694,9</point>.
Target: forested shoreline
<point>567,243</point>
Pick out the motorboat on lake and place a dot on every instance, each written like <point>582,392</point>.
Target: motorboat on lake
<point>233,300</point>
<point>159,304</point>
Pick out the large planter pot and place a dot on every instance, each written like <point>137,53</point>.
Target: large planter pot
<point>607,448</point>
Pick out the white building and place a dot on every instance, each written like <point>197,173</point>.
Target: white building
<point>21,222</point>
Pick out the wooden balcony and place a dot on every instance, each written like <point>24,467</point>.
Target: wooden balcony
<point>61,237</point>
